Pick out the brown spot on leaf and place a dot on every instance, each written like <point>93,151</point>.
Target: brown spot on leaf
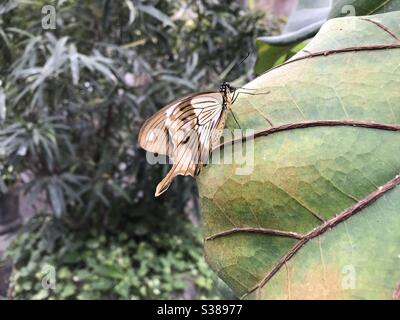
<point>396,293</point>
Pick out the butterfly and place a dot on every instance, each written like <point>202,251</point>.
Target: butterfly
<point>186,130</point>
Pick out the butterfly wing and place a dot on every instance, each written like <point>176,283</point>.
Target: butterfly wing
<point>185,131</point>
<point>153,135</point>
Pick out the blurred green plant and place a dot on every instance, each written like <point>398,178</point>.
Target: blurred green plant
<point>270,56</point>
<point>71,104</point>
<point>76,96</point>
<point>124,263</point>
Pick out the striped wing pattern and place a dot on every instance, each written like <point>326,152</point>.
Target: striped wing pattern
<point>185,130</point>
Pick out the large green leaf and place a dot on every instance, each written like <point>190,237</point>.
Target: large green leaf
<point>309,16</point>
<point>318,216</point>
<point>306,20</point>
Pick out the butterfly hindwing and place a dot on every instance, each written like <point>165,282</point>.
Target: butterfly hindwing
<point>184,130</point>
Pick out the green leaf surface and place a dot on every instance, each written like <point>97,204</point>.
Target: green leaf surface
<point>316,216</point>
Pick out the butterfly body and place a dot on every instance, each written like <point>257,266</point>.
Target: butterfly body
<point>186,130</point>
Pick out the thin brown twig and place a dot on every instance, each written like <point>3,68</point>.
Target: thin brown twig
<point>336,51</point>
<point>383,27</point>
<point>274,232</point>
<point>313,123</point>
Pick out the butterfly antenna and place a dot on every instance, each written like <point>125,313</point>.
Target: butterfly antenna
<point>238,65</point>
<point>248,54</point>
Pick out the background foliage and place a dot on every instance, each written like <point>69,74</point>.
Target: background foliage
<point>124,264</point>
<point>72,101</point>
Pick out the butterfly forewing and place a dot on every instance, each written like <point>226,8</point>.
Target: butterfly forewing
<point>153,135</point>
<point>184,130</point>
